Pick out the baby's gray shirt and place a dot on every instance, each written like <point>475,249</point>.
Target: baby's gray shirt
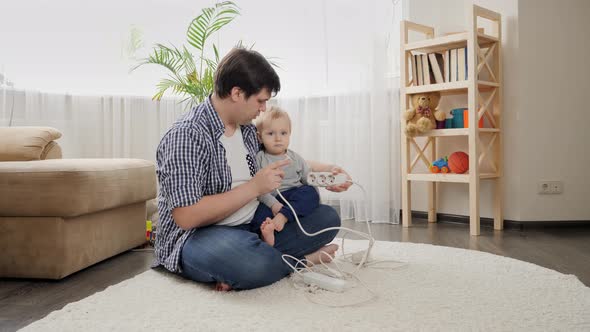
<point>295,173</point>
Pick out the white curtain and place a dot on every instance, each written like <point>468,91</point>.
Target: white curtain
<point>94,126</point>
<point>338,63</point>
<point>338,67</point>
<point>357,132</point>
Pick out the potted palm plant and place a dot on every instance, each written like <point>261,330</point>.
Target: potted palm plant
<point>191,75</point>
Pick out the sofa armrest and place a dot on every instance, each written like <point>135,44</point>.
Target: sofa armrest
<point>29,143</point>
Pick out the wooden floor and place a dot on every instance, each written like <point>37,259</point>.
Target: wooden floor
<point>565,249</point>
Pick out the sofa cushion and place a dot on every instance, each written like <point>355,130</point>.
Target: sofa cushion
<point>51,151</point>
<point>73,187</point>
<point>26,143</point>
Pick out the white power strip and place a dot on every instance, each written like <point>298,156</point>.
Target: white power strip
<point>325,179</point>
<point>324,281</point>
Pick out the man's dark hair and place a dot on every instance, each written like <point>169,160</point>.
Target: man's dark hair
<point>247,70</point>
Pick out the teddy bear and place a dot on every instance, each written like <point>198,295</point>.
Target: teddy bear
<point>421,118</point>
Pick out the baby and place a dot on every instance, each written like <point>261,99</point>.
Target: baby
<point>274,131</point>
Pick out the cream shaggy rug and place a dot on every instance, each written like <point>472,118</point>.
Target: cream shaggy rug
<point>439,288</point>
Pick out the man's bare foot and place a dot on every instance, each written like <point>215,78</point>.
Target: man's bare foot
<point>326,254</point>
<point>222,287</point>
<point>279,221</point>
<point>267,229</point>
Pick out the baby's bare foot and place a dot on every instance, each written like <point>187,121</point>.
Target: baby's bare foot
<point>325,254</point>
<point>267,230</point>
<point>222,287</point>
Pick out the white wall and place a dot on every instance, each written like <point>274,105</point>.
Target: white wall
<point>554,136</point>
<point>540,83</point>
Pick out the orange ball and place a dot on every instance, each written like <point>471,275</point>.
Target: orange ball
<point>459,162</point>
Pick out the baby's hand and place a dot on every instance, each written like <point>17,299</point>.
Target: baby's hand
<point>276,208</point>
<point>279,224</point>
<point>341,187</point>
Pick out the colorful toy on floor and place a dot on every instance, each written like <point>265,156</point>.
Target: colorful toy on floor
<point>440,166</point>
<point>148,230</point>
<point>459,162</point>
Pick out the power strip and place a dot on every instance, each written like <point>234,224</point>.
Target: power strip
<point>324,281</point>
<point>325,179</point>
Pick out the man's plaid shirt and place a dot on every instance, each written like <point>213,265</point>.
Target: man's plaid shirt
<point>191,164</point>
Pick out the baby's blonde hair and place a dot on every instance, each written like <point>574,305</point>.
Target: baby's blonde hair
<point>273,113</point>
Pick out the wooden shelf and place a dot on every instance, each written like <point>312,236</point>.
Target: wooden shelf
<point>456,40</point>
<point>450,87</point>
<point>456,132</point>
<point>484,145</point>
<point>448,177</point>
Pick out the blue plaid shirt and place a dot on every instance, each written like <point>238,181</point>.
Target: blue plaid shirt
<point>191,164</point>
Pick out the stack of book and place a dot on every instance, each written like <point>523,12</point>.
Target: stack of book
<point>435,68</point>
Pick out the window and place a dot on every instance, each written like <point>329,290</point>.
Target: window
<point>322,47</point>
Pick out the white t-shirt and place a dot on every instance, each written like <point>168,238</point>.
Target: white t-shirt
<point>236,155</point>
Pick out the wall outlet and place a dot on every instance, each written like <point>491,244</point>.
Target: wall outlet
<point>550,187</point>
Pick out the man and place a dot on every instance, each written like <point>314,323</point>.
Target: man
<point>209,183</point>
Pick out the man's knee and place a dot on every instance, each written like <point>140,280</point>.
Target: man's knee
<point>309,191</point>
<point>261,272</point>
<point>326,217</point>
<point>329,216</point>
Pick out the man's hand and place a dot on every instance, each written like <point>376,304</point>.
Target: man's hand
<point>276,208</point>
<point>270,177</point>
<point>341,187</point>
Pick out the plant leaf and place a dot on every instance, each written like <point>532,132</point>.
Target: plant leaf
<point>216,53</point>
<point>210,20</point>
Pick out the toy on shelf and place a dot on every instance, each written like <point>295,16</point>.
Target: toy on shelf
<point>460,119</point>
<point>440,166</point>
<point>466,120</point>
<point>459,162</point>
<point>422,117</point>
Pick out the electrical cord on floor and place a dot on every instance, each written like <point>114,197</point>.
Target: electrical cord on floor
<point>323,268</point>
<point>368,236</point>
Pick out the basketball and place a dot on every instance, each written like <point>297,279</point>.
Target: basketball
<point>459,162</point>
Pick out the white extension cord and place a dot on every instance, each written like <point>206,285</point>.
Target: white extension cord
<point>325,282</point>
<point>315,278</point>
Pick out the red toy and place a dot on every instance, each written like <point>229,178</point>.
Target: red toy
<point>459,162</point>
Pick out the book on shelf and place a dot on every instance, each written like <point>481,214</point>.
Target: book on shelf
<point>453,66</point>
<point>461,64</point>
<point>436,63</point>
<point>447,65</point>
<point>414,70</point>
<point>466,59</point>
<point>419,69</point>
<point>440,67</point>
<point>425,69</point>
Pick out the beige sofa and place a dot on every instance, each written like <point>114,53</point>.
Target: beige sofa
<point>58,216</point>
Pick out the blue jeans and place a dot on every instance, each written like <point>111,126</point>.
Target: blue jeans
<point>238,257</point>
<point>304,200</point>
